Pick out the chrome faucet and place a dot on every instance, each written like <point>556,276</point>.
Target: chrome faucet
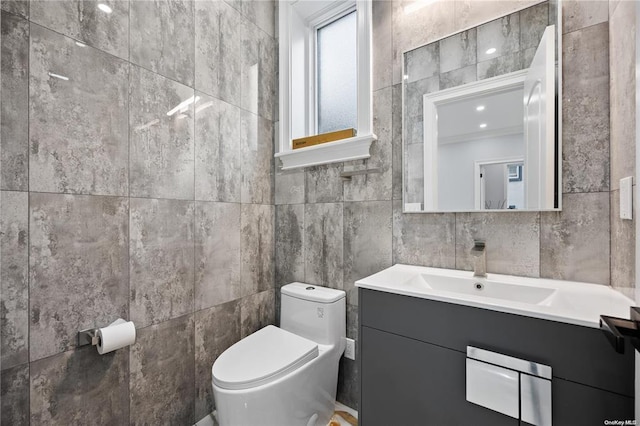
<point>479,259</point>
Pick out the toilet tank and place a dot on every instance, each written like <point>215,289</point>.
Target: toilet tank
<point>315,312</point>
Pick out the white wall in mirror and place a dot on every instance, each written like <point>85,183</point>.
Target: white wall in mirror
<point>467,128</point>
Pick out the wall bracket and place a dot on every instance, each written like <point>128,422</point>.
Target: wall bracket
<point>617,330</point>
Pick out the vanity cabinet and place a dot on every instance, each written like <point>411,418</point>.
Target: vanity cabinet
<point>413,352</point>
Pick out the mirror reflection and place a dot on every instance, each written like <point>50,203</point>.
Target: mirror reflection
<point>479,117</point>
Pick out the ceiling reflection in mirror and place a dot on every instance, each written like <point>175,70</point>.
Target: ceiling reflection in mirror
<point>480,128</point>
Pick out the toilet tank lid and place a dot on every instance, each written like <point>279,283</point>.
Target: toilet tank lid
<point>313,293</point>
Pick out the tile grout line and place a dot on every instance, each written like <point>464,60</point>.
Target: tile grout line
<point>195,235</point>
<point>139,198</point>
<point>129,349</point>
<point>29,397</point>
<point>455,241</point>
<point>611,190</point>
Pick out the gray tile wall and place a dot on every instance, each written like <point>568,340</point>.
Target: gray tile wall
<point>622,16</point>
<point>364,216</point>
<point>112,208</point>
<point>78,177</point>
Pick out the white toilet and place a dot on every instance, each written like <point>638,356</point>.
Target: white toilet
<point>287,375</point>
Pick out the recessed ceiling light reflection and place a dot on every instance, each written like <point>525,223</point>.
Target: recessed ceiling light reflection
<point>58,76</point>
<point>491,51</point>
<point>182,106</point>
<point>204,106</point>
<point>105,8</point>
<point>147,125</point>
<point>480,108</point>
<point>483,125</point>
<point>416,5</point>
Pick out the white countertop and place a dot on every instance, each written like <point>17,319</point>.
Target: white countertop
<point>563,301</point>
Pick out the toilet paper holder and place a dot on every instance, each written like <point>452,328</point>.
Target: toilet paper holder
<point>114,336</point>
<point>88,337</point>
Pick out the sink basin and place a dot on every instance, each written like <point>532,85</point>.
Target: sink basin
<point>564,301</point>
<point>479,287</point>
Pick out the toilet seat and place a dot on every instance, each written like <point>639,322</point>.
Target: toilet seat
<point>262,357</point>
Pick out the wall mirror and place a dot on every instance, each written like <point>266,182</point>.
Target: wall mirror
<point>481,122</point>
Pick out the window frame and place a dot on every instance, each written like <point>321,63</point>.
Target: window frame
<point>348,149</point>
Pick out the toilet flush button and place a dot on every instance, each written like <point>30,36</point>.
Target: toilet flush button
<point>310,288</point>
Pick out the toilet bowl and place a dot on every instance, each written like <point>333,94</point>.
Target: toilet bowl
<point>287,375</point>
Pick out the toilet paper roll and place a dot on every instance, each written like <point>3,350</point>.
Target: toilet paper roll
<point>116,335</point>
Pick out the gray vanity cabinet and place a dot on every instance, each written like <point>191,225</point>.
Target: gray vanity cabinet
<point>408,382</point>
<point>412,355</point>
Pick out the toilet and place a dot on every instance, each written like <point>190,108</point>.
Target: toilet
<point>287,375</point>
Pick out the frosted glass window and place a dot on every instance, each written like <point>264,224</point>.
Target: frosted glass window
<point>337,75</point>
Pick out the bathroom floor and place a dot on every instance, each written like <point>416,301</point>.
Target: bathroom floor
<point>210,420</point>
<point>341,421</point>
